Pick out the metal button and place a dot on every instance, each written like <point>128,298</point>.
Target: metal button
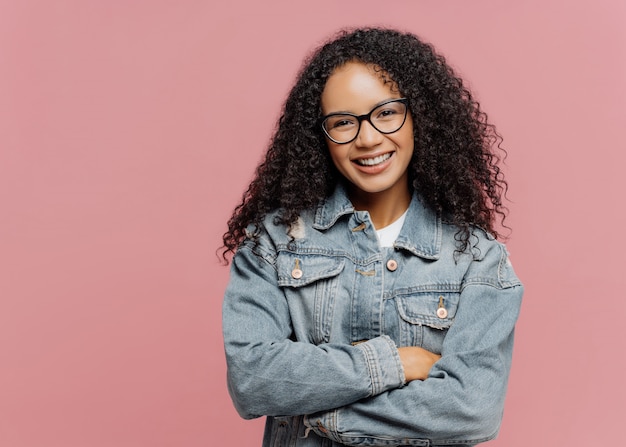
<point>442,312</point>
<point>296,273</point>
<point>392,265</point>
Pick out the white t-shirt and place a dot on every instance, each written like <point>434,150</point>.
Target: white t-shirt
<point>388,235</point>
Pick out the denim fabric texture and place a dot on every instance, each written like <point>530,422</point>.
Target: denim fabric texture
<point>312,319</point>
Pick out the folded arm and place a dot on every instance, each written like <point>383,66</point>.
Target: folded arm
<point>461,401</point>
<point>271,374</point>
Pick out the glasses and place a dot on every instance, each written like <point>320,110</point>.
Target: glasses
<point>388,117</point>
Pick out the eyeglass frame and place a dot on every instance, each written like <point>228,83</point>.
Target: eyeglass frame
<point>367,117</point>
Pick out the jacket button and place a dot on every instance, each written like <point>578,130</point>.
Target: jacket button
<point>442,312</point>
<point>296,273</point>
<point>392,265</point>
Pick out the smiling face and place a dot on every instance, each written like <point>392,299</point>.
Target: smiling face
<point>375,164</point>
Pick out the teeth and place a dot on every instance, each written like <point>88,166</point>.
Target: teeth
<point>373,161</point>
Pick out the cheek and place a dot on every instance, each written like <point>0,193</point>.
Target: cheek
<point>408,137</point>
<point>337,153</point>
<point>410,134</point>
<point>406,140</point>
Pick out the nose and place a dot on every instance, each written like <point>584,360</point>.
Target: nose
<point>368,136</point>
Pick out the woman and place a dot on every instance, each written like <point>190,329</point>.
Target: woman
<point>369,302</point>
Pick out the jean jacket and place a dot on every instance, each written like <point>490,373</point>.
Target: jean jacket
<point>313,316</point>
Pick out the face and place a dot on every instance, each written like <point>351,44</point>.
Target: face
<point>375,164</point>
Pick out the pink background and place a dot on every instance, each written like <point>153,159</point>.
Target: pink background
<point>129,130</point>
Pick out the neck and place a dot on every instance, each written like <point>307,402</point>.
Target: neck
<point>384,207</point>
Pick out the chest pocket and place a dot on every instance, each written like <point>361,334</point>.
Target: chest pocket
<point>310,282</point>
<point>425,318</point>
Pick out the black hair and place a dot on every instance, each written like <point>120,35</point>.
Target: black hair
<point>454,167</point>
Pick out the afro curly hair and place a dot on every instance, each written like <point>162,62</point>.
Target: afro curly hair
<point>454,167</point>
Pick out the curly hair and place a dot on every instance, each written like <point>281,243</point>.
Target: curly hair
<point>454,166</point>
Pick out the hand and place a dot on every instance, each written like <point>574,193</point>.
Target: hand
<point>416,362</point>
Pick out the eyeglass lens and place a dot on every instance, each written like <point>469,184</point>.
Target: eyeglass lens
<point>386,118</point>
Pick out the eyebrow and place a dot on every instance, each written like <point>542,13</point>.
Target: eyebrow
<point>347,112</point>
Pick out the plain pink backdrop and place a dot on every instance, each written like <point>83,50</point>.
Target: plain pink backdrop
<point>129,130</point>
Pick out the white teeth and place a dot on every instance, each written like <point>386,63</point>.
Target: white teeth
<point>373,161</point>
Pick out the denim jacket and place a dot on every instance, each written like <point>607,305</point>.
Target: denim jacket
<point>312,319</point>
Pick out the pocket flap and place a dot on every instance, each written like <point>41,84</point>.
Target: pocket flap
<point>297,270</point>
<point>422,308</point>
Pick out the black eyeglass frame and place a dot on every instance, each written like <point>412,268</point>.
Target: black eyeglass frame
<point>367,117</point>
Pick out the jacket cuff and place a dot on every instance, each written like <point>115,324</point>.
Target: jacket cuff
<point>383,363</point>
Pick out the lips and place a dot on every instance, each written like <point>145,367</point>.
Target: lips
<point>374,160</point>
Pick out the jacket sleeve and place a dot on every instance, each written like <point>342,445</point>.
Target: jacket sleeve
<point>462,400</point>
<point>270,374</point>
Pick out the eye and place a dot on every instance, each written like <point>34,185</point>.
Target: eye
<point>340,122</point>
<point>389,111</point>
<point>343,123</point>
<point>385,114</point>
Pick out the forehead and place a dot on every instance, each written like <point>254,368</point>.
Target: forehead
<point>357,87</point>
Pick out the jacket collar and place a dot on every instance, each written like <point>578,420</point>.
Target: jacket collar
<point>421,233</point>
